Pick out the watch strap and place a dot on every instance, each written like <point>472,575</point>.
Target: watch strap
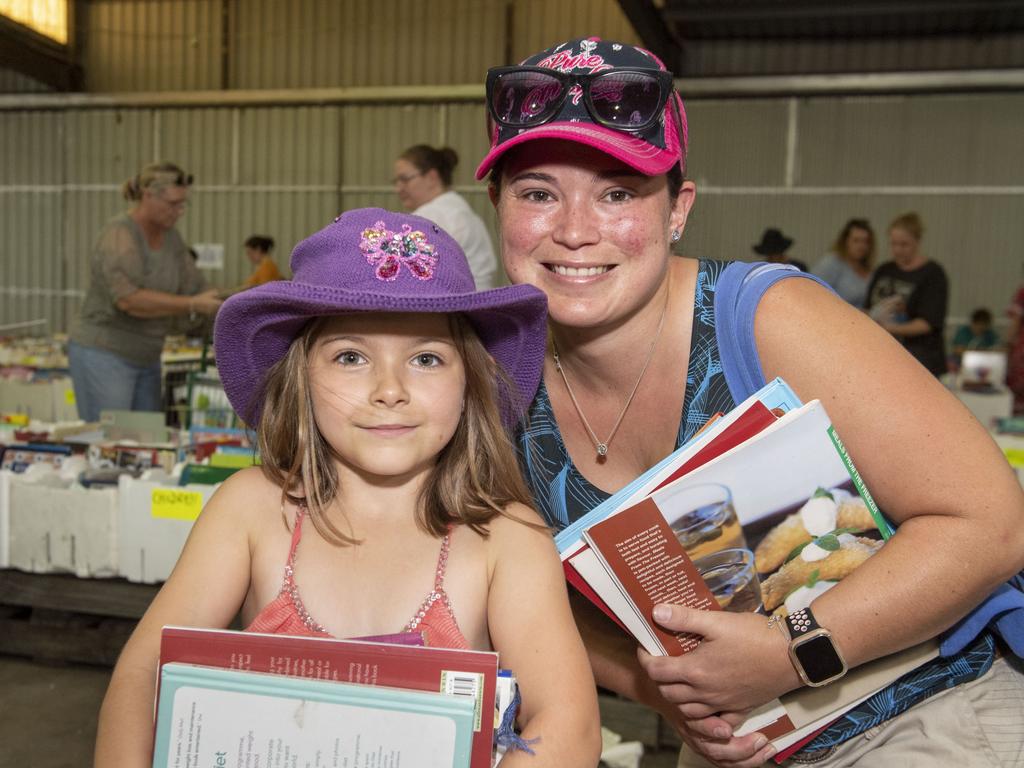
<point>801,623</point>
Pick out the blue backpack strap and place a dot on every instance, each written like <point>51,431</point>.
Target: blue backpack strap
<point>737,295</point>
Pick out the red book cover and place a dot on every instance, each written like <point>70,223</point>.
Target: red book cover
<point>418,668</point>
<point>752,421</point>
<point>652,567</point>
<point>785,754</point>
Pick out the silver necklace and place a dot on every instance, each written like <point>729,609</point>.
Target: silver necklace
<point>599,445</point>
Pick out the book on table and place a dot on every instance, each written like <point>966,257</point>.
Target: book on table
<point>469,675</point>
<point>767,521</point>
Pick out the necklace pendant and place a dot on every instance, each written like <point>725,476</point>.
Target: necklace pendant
<point>602,449</point>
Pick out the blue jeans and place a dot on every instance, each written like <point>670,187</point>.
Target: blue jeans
<point>105,381</point>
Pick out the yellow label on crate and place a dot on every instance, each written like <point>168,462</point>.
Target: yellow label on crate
<point>1015,456</point>
<point>175,504</point>
<point>69,396</point>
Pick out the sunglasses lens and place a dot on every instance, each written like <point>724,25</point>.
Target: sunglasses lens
<point>522,99</point>
<point>626,100</point>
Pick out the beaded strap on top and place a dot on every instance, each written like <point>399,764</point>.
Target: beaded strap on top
<point>438,592</point>
<point>291,589</point>
<point>289,586</point>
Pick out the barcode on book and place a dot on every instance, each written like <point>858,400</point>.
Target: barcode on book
<point>468,684</point>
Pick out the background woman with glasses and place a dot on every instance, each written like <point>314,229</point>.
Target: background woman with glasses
<point>141,278</point>
<point>423,181</point>
<point>587,174</point>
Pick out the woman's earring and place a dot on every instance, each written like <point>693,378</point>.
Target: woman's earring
<point>676,235</point>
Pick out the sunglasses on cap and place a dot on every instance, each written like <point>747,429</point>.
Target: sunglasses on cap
<point>624,99</point>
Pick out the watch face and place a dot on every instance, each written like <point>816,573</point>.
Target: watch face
<point>819,659</point>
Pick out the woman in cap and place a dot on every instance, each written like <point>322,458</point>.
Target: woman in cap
<point>423,182</point>
<point>587,174</point>
<point>142,278</point>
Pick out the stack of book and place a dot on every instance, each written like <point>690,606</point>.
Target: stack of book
<point>762,510</point>
<point>251,700</point>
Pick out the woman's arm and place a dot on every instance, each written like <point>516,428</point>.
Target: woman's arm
<point>930,466</point>
<point>532,629</point>
<point>145,303</point>
<point>916,327</point>
<point>120,267</point>
<point>206,589</point>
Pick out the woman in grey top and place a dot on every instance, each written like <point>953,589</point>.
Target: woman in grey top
<point>141,278</point>
<point>847,268</point>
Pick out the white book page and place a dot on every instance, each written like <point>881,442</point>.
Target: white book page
<point>230,729</point>
<point>594,571</point>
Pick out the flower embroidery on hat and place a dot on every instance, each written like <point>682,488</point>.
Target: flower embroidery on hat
<point>388,251</point>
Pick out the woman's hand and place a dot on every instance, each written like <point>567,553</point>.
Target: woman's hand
<point>206,303</point>
<point>740,664</point>
<point>712,739</point>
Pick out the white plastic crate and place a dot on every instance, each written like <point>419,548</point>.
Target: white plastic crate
<point>150,536</point>
<point>61,529</point>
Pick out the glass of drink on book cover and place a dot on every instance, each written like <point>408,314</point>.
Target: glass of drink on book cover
<point>707,522</point>
<point>732,578</point>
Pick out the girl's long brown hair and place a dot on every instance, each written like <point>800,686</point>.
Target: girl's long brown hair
<point>476,476</point>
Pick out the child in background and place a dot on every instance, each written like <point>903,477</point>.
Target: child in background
<point>378,381</point>
<point>264,270</point>
<point>978,334</point>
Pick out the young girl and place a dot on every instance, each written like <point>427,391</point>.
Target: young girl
<point>389,498</point>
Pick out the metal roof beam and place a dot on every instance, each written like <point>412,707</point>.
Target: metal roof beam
<point>36,56</point>
<point>684,13</point>
<point>647,22</point>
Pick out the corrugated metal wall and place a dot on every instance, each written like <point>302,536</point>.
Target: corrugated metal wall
<point>804,165</point>
<point>808,165</point>
<point>152,45</point>
<point>712,58</point>
<point>15,82</point>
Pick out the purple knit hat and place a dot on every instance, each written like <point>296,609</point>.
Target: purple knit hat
<point>373,260</point>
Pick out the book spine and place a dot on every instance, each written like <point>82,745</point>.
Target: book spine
<point>884,526</point>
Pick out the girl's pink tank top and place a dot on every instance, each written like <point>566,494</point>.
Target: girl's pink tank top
<point>286,614</point>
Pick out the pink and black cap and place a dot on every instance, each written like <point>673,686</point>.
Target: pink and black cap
<point>653,149</point>
<point>373,260</point>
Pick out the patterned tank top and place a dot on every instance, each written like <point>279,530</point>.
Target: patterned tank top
<point>560,492</point>
<point>286,614</point>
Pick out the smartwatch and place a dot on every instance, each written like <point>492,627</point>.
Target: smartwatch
<point>812,651</point>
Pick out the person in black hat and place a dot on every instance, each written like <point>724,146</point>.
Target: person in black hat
<point>773,247</point>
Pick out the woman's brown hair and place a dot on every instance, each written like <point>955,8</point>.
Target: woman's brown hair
<point>476,476</point>
<point>426,158</point>
<point>839,248</point>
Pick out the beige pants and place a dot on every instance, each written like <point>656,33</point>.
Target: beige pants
<point>976,725</point>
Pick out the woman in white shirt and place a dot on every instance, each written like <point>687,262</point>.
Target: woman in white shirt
<point>423,180</point>
<point>847,268</point>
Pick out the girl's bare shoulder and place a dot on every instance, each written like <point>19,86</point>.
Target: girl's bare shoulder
<point>518,532</point>
<point>247,496</point>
